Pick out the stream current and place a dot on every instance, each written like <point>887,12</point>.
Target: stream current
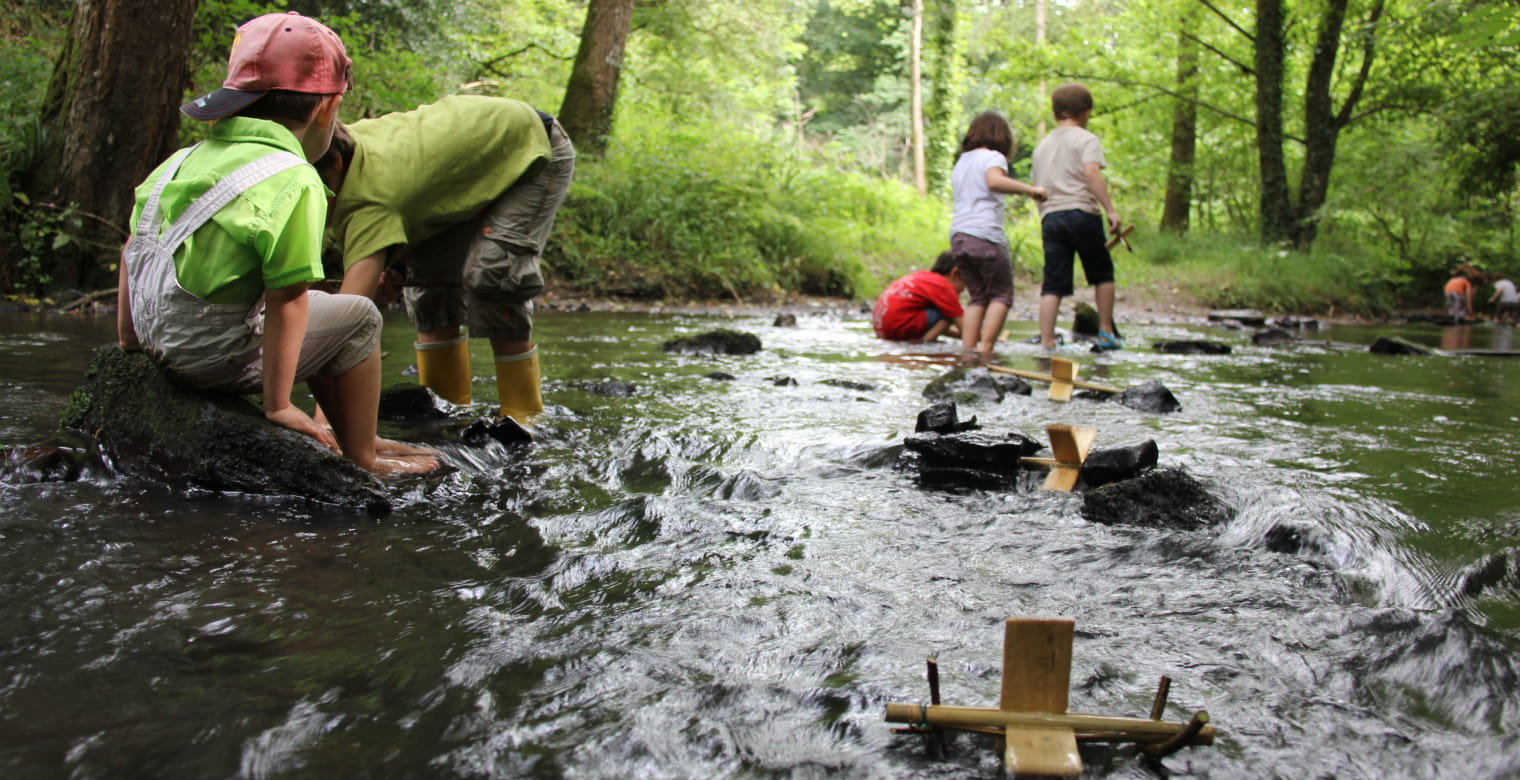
<point>697,577</point>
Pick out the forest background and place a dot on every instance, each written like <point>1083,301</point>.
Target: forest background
<point>1300,156</point>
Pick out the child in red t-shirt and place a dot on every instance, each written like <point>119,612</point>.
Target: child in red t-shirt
<point>923,305</point>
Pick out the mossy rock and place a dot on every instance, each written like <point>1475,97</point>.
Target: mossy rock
<point>152,427</point>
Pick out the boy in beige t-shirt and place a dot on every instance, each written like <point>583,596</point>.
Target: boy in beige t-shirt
<point>1069,164</point>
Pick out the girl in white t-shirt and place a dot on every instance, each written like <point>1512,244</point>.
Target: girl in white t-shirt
<point>979,182</point>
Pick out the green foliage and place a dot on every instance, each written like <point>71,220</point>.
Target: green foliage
<point>697,210</point>
<point>40,230</point>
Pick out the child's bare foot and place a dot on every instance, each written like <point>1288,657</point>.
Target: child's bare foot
<point>392,448</point>
<point>405,465</point>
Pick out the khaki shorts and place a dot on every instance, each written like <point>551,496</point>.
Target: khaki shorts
<point>484,274</point>
<point>342,331</point>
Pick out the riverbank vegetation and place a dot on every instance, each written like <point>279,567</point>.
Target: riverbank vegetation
<point>1291,155</point>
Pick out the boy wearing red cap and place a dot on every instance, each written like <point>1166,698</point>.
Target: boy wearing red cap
<point>462,193</point>
<point>227,235</point>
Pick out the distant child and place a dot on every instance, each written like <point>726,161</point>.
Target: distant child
<point>979,182</point>
<point>228,234</point>
<point>1069,164</point>
<point>1508,309</point>
<point>923,305</point>
<point>1459,293</point>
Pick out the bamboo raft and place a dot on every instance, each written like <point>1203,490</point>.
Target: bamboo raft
<point>1039,736</point>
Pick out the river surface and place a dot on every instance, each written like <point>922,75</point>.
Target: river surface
<point>714,578</point>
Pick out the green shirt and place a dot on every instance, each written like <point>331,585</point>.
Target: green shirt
<point>417,173</point>
<point>268,237</point>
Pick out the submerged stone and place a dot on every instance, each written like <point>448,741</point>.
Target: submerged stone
<point>963,384</point>
<point>1165,498</point>
<point>720,376</point>
<point>1106,466</point>
<point>40,463</point>
<point>1393,345</point>
<point>849,384</point>
<point>1191,347</point>
<point>152,427</point>
<point>715,342</point>
<point>1152,396</point>
<point>611,388</point>
<point>784,320</point>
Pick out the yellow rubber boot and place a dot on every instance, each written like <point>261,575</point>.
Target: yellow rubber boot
<point>517,383</point>
<point>444,367</point>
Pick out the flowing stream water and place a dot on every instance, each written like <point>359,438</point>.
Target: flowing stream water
<point>697,577</point>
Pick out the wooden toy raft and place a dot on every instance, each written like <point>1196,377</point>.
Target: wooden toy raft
<point>1062,378</point>
<point>1039,735</point>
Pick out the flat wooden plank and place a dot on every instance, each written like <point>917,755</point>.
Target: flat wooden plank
<point>1041,753</point>
<point>1070,443</point>
<point>1062,371</point>
<point>1038,377</point>
<point>1062,478</point>
<point>1036,664</point>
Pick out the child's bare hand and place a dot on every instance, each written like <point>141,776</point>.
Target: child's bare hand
<point>1039,194</point>
<point>296,420</point>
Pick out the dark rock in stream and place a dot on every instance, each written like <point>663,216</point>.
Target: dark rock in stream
<point>1103,467</point>
<point>782,381</point>
<point>715,342</point>
<point>1166,498</point>
<point>978,452</point>
<point>1152,396</point>
<point>1085,321</point>
<point>505,430</point>
<point>1272,337</point>
<point>784,320</point>
<point>943,418</point>
<point>719,376</point>
<point>152,427</point>
<point>1191,347</point>
<point>411,403</point>
<point>1393,345</point>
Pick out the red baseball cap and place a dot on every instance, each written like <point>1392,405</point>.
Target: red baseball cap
<point>277,51</point>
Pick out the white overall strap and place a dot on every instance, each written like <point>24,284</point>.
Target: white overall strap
<point>223,192</point>
<point>147,222</point>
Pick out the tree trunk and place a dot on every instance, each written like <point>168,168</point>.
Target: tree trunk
<point>1176,212</point>
<point>1276,208</point>
<point>110,116</point>
<point>915,68</point>
<point>945,72</point>
<point>591,96</point>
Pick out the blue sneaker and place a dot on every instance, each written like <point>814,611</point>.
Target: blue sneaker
<point>1107,342</point>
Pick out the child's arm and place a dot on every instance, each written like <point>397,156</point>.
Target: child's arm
<point>126,335</point>
<point>998,181</point>
<point>1099,186</point>
<point>285,311</point>
<point>363,277</point>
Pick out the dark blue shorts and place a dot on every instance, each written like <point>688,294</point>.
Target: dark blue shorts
<point>1069,234</point>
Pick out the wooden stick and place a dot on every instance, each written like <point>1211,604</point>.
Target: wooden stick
<point>1122,235</point>
<point>1158,707</point>
<point>1085,385</point>
<point>933,680</point>
<point>1188,736</point>
<point>1126,729</point>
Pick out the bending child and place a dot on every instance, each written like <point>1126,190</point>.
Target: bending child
<point>463,194</point>
<point>923,305</point>
<point>1069,164</point>
<point>979,182</point>
<point>228,234</point>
